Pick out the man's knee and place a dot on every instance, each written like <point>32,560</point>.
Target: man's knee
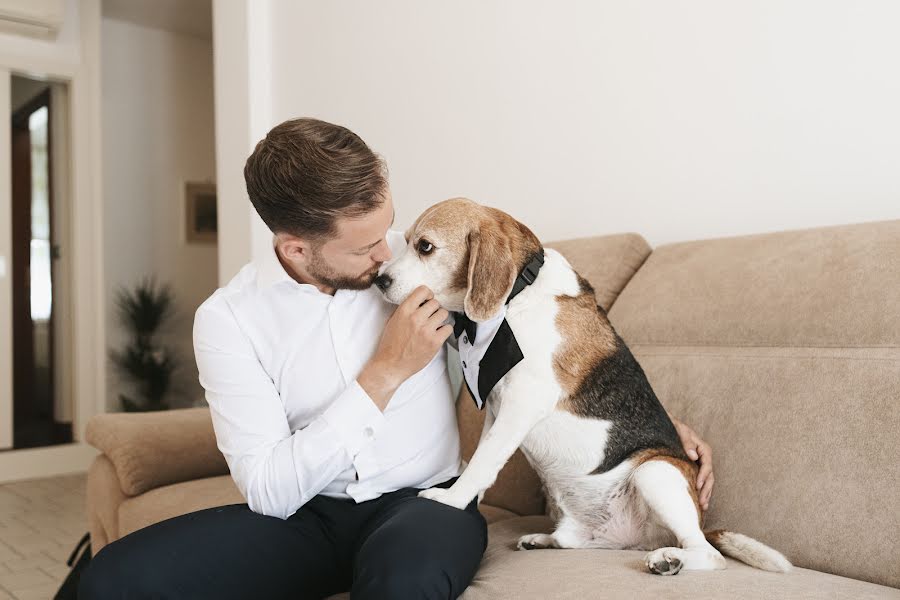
<point>427,579</point>
<point>113,573</point>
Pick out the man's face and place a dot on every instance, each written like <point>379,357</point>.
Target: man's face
<point>352,258</point>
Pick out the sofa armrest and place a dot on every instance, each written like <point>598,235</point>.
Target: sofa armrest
<point>103,498</point>
<point>152,449</point>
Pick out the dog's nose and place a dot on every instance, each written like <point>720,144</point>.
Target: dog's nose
<point>383,282</point>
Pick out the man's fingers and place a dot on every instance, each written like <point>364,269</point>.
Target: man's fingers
<point>418,296</point>
<point>692,453</point>
<point>705,472</point>
<point>439,316</point>
<point>705,453</point>
<point>443,332</point>
<point>428,308</point>
<point>706,492</point>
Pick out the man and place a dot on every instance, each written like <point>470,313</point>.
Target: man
<point>332,409</point>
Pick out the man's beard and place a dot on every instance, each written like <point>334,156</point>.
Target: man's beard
<point>326,275</point>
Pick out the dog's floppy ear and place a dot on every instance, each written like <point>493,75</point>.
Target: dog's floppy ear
<point>492,271</point>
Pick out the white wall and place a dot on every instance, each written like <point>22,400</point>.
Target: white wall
<point>158,127</point>
<point>678,120</point>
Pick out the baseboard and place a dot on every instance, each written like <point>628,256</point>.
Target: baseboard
<point>34,463</point>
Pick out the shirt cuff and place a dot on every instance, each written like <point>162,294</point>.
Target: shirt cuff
<point>355,418</point>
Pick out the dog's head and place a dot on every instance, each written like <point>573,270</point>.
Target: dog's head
<point>467,254</point>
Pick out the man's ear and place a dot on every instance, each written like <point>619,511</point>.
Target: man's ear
<point>293,248</point>
<point>491,272</point>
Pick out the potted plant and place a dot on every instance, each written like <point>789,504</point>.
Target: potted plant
<point>144,361</point>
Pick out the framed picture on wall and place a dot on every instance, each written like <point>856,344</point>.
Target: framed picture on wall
<point>202,219</point>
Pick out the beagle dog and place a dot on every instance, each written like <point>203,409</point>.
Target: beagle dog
<point>557,381</point>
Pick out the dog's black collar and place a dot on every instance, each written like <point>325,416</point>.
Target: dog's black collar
<point>525,278</point>
<point>528,274</point>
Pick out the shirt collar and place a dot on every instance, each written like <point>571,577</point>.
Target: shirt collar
<point>269,269</point>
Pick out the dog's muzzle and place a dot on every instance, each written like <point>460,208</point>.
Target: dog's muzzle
<point>383,282</point>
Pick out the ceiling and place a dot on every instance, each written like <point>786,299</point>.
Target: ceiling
<point>188,17</point>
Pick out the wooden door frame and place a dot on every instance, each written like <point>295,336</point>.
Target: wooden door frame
<point>81,71</point>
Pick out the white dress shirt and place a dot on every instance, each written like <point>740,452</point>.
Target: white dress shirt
<point>279,362</point>
<point>470,354</point>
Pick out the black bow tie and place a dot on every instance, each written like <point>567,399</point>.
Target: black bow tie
<point>463,323</point>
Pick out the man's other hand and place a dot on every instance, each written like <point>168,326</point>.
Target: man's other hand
<point>698,451</point>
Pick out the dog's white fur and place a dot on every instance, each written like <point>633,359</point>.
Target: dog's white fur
<point>637,505</point>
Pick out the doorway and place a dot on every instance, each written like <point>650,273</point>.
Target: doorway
<point>42,414</point>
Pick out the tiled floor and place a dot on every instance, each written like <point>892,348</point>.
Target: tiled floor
<point>40,523</point>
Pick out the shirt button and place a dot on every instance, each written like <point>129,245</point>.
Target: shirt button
<point>464,365</point>
<point>465,339</point>
<point>369,432</point>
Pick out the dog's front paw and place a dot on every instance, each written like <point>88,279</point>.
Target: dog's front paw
<point>445,496</point>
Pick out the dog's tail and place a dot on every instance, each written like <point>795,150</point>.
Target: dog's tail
<point>747,550</point>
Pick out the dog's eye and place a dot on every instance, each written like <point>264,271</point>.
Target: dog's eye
<point>424,246</point>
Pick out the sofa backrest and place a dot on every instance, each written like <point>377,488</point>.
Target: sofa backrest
<point>608,262</point>
<point>783,352</point>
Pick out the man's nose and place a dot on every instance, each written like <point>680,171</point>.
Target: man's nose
<point>383,282</point>
<point>382,252</point>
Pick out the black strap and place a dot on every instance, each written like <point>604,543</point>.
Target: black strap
<point>81,543</point>
<point>528,275</point>
<point>525,278</point>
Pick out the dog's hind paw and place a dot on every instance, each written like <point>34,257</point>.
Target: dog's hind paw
<point>664,561</point>
<point>535,541</point>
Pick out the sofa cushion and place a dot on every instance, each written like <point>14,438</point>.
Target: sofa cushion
<point>492,514</point>
<point>608,262</point>
<point>103,499</point>
<point>783,352</point>
<point>577,574</point>
<point>177,499</point>
<point>153,449</point>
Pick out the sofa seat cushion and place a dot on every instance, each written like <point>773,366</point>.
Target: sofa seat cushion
<point>577,574</point>
<point>492,514</point>
<point>190,496</point>
<point>177,499</point>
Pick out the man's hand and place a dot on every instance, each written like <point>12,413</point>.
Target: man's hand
<point>411,338</point>
<point>698,450</point>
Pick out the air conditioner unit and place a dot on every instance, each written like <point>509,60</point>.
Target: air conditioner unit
<point>34,18</point>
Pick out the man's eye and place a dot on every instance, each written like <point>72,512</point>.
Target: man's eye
<point>424,247</point>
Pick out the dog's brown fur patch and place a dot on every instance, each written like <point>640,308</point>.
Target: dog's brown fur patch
<point>454,219</point>
<point>687,468</point>
<point>461,274</point>
<point>714,537</point>
<point>501,242</point>
<point>523,244</point>
<point>587,339</point>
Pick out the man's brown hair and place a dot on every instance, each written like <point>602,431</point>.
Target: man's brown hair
<point>307,173</point>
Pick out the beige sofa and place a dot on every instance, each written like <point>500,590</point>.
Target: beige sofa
<point>782,350</point>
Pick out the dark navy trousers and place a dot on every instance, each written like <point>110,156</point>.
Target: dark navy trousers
<point>397,546</point>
